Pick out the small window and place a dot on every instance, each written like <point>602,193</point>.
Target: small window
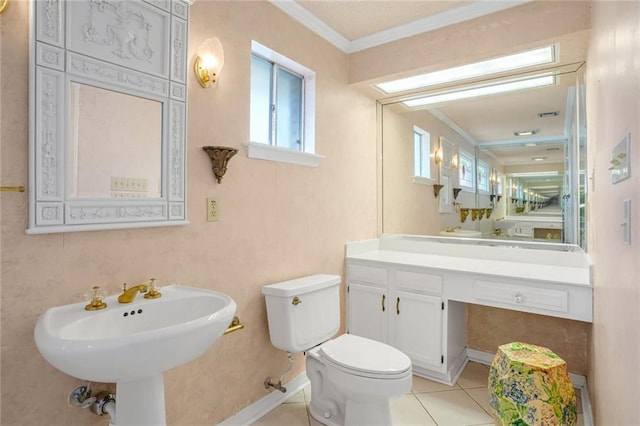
<point>466,170</point>
<point>282,115</point>
<point>421,155</point>
<point>483,177</point>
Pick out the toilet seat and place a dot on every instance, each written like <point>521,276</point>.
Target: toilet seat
<point>365,357</point>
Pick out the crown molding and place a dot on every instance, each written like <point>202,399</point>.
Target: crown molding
<point>454,16</point>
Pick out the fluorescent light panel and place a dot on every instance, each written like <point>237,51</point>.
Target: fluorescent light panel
<point>545,55</point>
<point>511,86</point>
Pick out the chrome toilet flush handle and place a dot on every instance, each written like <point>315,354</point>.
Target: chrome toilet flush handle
<point>296,301</point>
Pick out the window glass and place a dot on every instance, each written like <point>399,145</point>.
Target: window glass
<point>422,153</point>
<point>483,176</point>
<point>261,84</point>
<point>289,104</point>
<point>466,170</point>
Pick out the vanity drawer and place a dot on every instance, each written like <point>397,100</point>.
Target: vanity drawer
<point>367,274</point>
<point>522,296</point>
<point>419,282</point>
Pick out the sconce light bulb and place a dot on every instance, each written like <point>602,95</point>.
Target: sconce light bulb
<point>209,61</point>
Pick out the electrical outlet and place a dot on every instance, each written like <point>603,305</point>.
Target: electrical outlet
<point>212,210</point>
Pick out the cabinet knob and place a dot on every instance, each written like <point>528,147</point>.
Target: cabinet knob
<point>518,298</point>
<point>296,301</point>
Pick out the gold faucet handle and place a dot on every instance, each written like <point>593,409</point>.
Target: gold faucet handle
<point>153,292</point>
<point>96,302</point>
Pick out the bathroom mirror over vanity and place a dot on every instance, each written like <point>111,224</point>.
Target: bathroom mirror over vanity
<point>107,115</point>
<point>486,180</point>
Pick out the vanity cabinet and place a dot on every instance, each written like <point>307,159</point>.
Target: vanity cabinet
<point>402,307</point>
<point>411,293</point>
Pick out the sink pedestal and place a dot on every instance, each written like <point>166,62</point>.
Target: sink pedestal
<point>140,402</point>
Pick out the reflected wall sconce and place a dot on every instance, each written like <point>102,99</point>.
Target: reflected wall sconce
<point>209,62</point>
<point>437,156</point>
<point>463,214</point>
<point>456,191</point>
<point>3,5</point>
<point>454,161</point>
<point>219,156</point>
<point>436,189</point>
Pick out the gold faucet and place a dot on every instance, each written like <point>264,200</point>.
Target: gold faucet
<point>128,294</point>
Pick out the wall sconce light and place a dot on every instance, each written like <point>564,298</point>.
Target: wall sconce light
<point>437,156</point>
<point>3,5</point>
<point>209,62</point>
<point>454,161</point>
<point>219,156</point>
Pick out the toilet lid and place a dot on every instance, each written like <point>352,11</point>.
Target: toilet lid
<point>365,356</point>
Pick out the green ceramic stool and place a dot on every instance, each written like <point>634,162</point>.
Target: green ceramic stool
<point>529,386</point>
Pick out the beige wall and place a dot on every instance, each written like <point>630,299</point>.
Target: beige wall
<point>276,221</point>
<point>613,109</point>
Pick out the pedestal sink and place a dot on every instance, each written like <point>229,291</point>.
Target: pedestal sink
<point>133,344</point>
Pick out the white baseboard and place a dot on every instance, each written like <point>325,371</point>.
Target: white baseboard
<point>253,412</point>
<point>578,381</point>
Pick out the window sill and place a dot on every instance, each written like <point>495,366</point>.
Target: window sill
<point>423,180</point>
<point>263,151</point>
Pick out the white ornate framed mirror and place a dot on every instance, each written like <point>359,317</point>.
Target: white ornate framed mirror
<point>107,114</point>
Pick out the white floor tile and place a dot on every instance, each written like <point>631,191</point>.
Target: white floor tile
<point>294,414</point>
<point>481,396</point>
<point>408,411</point>
<point>474,376</point>
<point>454,408</point>
<point>420,385</point>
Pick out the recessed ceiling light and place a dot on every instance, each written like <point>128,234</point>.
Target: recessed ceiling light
<point>530,144</point>
<point>548,114</point>
<point>545,55</point>
<point>474,92</point>
<point>530,132</point>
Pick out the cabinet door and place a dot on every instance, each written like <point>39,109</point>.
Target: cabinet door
<point>417,327</point>
<point>367,308</point>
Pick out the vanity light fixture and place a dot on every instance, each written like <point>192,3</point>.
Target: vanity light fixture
<point>539,80</point>
<point>209,62</point>
<point>541,56</point>
<point>219,156</point>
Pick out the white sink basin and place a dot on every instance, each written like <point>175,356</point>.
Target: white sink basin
<point>136,340</point>
<point>462,233</point>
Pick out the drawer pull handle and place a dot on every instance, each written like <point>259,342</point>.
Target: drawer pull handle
<point>383,298</point>
<point>518,298</point>
<point>398,306</point>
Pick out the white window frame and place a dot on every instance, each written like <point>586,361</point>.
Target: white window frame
<point>462,155</point>
<point>422,155</point>
<point>482,165</point>
<point>264,151</point>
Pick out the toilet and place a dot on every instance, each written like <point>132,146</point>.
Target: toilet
<point>352,378</point>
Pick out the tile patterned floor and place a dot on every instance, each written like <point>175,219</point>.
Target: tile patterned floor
<point>428,404</point>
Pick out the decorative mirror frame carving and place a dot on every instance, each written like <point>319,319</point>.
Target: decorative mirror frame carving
<point>59,58</point>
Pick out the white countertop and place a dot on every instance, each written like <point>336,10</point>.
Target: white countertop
<point>522,261</point>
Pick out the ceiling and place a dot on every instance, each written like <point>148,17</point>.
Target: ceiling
<point>488,122</point>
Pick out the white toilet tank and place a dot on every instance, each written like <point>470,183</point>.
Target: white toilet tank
<point>303,312</point>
